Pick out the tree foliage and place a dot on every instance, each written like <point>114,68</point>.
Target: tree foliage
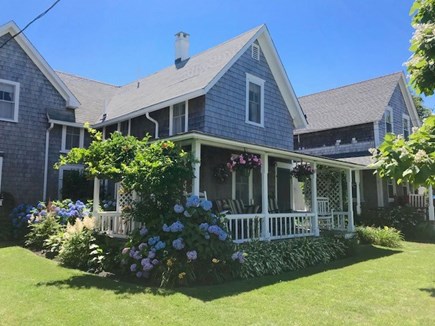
<point>422,110</point>
<point>410,160</point>
<point>421,65</point>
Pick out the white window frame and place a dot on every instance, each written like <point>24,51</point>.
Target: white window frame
<point>393,183</point>
<point>62,169</point>
<point>16,99</point>
<point>408,120</point>
<point>390,110</point>
<point>250,187</point>
<point>128,126</point>
<point>254,48</point>
<point>81,139</point>
<point>260,82</point>
<point>171,118</point>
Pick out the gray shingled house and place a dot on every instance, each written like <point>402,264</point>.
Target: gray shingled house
<point>228,100</point>
<point>345,122</point>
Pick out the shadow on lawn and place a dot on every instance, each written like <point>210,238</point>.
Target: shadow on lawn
<point>209,293</point>
<point>430,291</point>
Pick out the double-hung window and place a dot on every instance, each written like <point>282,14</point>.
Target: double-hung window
<point>72,137</point>
<point>9,96</point>
<point>406,127</point>
<point>254,100</point>
<point>243,187</point>
<point>388,120</point>
<point>178,118</point>
<point>391,188</point>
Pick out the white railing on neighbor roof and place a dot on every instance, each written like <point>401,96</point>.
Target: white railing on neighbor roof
<point>418,201</point>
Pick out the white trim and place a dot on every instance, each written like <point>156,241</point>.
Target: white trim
<point>269,51</point>
<point>66,123</point>
<point>279,153</point>
<point>380,191</point>
<point>63,143</point>
<point>259,82</point>
<point>47,144</point>
<point>255,49</point>
<point>250,187</point>
<point>62,169</point>
<point>171,117</point>
<point>376,133</point>
<point>412,110</point>
<point>390,110</point>
<point>39,61</point>
<point>16,99</point>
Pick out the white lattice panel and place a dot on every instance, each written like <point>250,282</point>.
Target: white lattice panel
<point>123,198</point>
<point>329,185</point>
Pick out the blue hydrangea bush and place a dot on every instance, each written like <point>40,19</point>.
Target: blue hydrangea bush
<point>191,247</point>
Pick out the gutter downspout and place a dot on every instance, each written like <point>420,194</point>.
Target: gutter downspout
<point>156,136</point>
<point>47,140</point>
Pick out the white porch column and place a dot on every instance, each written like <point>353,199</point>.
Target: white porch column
<point>358,191</point>
<point>265,194</point>
<point>430,207</point>
<point>350,226</point>
<point>196,151</point>
<point>96,200</point>
<point>314,200</point>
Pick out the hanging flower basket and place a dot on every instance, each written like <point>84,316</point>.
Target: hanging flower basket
<point>244,163</point>
<point>302,171</point>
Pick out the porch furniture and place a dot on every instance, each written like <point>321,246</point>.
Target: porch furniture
<point>324,212</point>
<point>201,194</point>
<point>234,206</point>
<point>273,205</point>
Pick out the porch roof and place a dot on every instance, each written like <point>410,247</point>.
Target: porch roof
<point>361,160</point>
<point>230,143</point>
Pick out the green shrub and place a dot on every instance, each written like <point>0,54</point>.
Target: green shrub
<point>41,231</point>
<point>79,248</point>
<point>387,237</point>
<point>275,257</point>
<point>403,218</point>
<point>424,231</point>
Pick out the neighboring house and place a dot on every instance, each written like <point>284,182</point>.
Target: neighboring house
<point>345,122</point>
<point>229,99</point>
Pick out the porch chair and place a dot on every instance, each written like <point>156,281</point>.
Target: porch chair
<point>324,213</point>
<point>201,195</point>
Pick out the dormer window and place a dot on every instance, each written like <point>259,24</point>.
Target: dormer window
<point>72,137</point>
<point>9,95</point>
<point>254,100</point>
<point>389,120</point>
<point>178,118</point>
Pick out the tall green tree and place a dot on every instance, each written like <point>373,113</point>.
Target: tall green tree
<point>422,110</point>
<point>421,65</point>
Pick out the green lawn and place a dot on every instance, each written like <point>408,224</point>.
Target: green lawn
<point>377,287</point>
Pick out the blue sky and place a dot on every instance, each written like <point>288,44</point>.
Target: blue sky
<point>323,44</point>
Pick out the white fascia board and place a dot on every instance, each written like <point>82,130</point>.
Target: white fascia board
<point>154,107</point>
<point>12,28</point>
<point>282,80</point>
<point>234,144</point>
<point>66,123</point>
<point>409,102</point>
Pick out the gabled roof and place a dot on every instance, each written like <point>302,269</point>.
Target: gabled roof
<point>39,61</point>
<point>195,77</point>
<point>354,104</point>
<point>93,96</point>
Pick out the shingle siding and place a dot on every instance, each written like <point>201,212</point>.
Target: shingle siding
<point>225,107</point>
<point>398,105</point>
<point>23,143</point>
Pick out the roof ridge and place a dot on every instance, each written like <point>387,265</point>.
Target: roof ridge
<point>86,78</point>
<point>197,54</point>
<point>352,84</point>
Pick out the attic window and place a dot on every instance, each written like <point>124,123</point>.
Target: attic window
<point>9,95</point>
<point>255,52</point>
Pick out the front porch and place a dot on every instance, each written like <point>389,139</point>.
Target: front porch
<point>271,204</point>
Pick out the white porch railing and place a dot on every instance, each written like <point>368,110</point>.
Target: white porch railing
<point>245,227</point>
<point>416,200</point>
<point>114,224</point>
<point>242,227</point>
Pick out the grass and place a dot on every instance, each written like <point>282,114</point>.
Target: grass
<point>379,286</point>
